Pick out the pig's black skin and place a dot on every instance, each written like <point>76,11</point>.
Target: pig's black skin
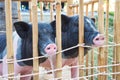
<point>24,51</point>
<point>2,45</point>
<point>70,34</point>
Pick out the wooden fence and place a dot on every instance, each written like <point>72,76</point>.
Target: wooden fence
<point>86,72</point>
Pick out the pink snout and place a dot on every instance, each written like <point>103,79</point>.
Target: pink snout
<point>99,40</point>
<point>51,49</point>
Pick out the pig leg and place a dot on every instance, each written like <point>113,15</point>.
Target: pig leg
<point>5,68</point>
<point>74,70</point>
<point>27,77</point>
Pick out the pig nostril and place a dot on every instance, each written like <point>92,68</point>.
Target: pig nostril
<point>97,39</point>
<point>103,38</point>
<point>48,48</point>
<point>54,48</point>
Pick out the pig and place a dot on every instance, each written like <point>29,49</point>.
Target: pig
<point>70,38</point>
<point>22,45</point>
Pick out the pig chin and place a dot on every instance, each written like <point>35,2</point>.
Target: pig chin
<point>48,54</point>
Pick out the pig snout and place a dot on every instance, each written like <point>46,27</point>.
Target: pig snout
<point>51,49</point>
<point>99,40</point>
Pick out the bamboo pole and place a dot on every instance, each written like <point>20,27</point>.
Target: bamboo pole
<point>41,11</point>
<point>92,9</point>
<point>51,11</point>
<point>58,38</point>
<point>101,55</point>
<point>35,39</point>
<point>30,11</point>
<point>117,24</point>
<point>81,38</point>
<point>69,9</point>
<point>92,51</point>
<point>92,64</point>
<point>114,49</point>
<point>87,55</point>
<point>10,55</point>
<point>87,10</point>
<point>77,12</point>
<point>107,36</point>
<point>19,12</point>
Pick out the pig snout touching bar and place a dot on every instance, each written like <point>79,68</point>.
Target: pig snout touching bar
<point>22,45</point>
<point>70,38</point>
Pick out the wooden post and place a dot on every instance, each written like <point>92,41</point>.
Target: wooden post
<point>58,38</point>
<point>30,7</point>
<point>51,11</point>
<point>81,38</point>
<point>107,32</point>
<point>19,12</point>
<point>35,38</point>
<point>92,64</point>
<point>77,12</point>
<point>114,49</point>
<point>10,55</point>
<point>92,9</point>
<point>87,10</point>
<point>117,26</point>
<point>41,11</point>
<point>102,55</point>
<point>87,55</point>
<point>69,9</point>
<point>92,51</point>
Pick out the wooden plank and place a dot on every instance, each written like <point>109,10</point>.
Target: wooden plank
<point>81,38</point>
<point>85,3</point>
<point>117,24</point>
<point>10,55</point>
<point>58,38</point>
<point>101,55</point>
<point>35,38</point>
<point>90,2</point>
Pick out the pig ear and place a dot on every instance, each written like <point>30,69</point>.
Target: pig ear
<point>64,18</point>
<point>53,24</point>
<point>22,28</point>
<point>93,19</point>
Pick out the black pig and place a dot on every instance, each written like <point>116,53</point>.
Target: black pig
<point>22,44</point>
<point>70,38</point>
